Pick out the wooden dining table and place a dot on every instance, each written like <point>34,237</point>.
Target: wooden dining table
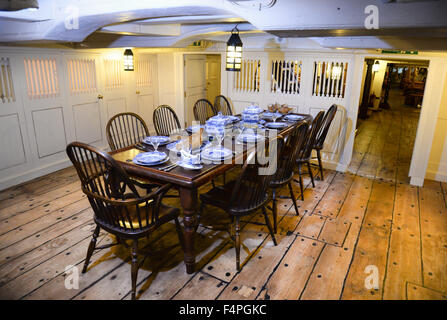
<point>186,181</point>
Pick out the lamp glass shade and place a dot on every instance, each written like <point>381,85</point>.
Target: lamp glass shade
<point>128,60</point>
<point>376,67</point>
<point>234,53</point>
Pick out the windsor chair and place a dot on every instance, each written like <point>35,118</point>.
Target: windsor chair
<point>118,207</point>
<point>321,136</point>
<point>305,153</point>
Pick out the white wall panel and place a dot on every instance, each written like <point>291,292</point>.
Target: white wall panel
<point>115,106</point>
<point>87,122</point>
<point>146,108</point>
<point>11,142</point>
<point>49,130</point>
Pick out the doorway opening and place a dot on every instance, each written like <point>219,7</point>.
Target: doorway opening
<point>202,80</point>
<point>389,108</point>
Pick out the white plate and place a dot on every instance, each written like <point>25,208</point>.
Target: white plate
<point>294,117</point>
<point>250,138</point>
<point>276,125</point>
<point>186,165</point>
<point>172,146</point>
<point>150,164</point>
<point>162,140</point>
<point>216,154</point>
<point>149,158</point>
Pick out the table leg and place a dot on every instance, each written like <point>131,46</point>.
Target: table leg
<point>188,200</point>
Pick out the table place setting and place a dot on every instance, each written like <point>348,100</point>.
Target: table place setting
<point>216,154</point>
<point>294,117</point>
<point>156,141</point>
<point>152,158</point>
<point>189,161</point>
<point>276,125</point>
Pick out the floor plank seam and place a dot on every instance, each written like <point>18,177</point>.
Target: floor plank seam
<point>40,231</point>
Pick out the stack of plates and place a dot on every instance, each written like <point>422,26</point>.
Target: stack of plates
<point>162,140</point>
<point>196,128</point>
<point>173,146</point>
<point>250,137</point>
<point>150,158</point>
<point>234,118</point>
<point>188,164</point>
<point>276,125</point>
<point>216,154</point>
<point>293,117</point>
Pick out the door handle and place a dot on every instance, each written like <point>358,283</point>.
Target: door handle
<point>100,96</point>
<point>137,92</point>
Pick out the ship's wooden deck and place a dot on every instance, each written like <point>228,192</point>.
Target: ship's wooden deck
<point>349,225</point>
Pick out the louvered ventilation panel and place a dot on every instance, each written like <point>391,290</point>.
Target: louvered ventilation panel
<point>6,85</point>
<point>41,78</point>
<point>286,77</point>
<point>329,79</point>
<point>143,70</point>
<point>248,79</point>
<point>114,73</point>
<point>81,75</point>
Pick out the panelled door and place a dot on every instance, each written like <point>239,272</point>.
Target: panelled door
<point>146,88</point>
<point>212,76</point>
<point>113,89</point>
<point>14,144</point>
<point>47,114</point>
<point>195,83</point>
<point>83,93</point>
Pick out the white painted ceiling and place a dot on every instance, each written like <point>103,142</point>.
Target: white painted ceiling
<point>312,24</point>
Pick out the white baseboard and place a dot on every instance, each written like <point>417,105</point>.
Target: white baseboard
<point>33,173</point>
<point>436,175</point>
<point>417,181</point>
<point>38,172</point>
<point>340,167</point>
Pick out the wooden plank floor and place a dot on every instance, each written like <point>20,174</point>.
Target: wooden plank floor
<point>353,228</point>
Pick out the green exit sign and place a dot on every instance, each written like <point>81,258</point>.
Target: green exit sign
<point>400,51</point>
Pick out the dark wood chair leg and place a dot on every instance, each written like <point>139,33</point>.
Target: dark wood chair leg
<point>292,196</point>
<point>91,248</point>
<point>237,245</point>
<point>320,164</point>
<point>269,225</point>
<point>274,210</point>
<point>178,227</point>
<point>311,174</point>
<point>134,268</point>
<point>301,181</point>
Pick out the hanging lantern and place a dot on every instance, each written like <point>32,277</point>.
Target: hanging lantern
<point>376,67</point>
<point>234,52</point>
<point>128,60</point>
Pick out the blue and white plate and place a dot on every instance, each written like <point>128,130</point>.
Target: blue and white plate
<point>150,158</point>
<point>216,154</point>
<point>294,117</point>
<point>187,164</point>
<point>267,115</point>
<point>172,146</point>
<point>162,140</point>
<point>276,125</point>
<point>234,118</point>
<point>151,164</point>
<point>250,137</point>
<point>196,128</point>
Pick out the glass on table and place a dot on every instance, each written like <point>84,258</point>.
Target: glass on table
<point>155,143</point>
